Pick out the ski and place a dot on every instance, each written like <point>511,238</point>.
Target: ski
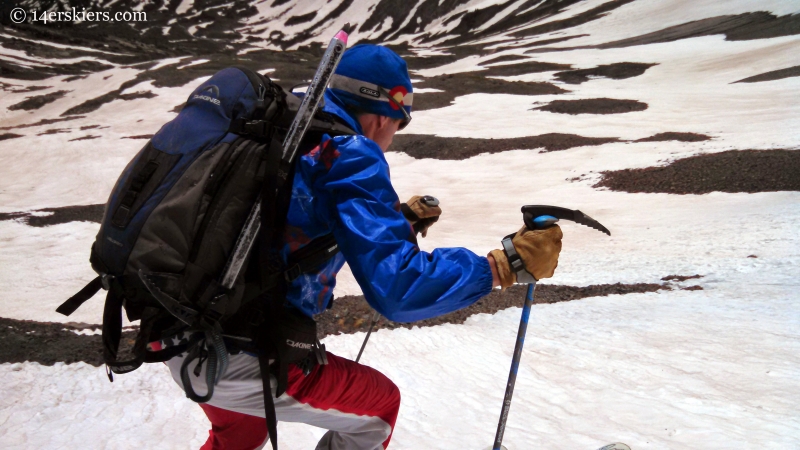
<point>615,446</point>
<point>292,141</point>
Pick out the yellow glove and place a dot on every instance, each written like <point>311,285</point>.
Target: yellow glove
<point>421,212</point>
<point>538,255</point>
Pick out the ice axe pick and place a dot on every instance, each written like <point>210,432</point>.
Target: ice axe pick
<point>536,217</point>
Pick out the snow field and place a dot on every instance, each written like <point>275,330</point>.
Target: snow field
<point>621,368</point>
<point>717,368</point>
<point>653,235</point>
<point>690,90</point>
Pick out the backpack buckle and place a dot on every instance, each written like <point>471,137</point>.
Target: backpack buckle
<point>105,280</point>
<point>292,273</point>
<point>256,127</point>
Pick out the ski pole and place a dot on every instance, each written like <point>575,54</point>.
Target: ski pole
<point>366,338</point>
<point>536,217</point>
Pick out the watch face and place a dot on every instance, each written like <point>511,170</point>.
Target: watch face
<point>430,200</point>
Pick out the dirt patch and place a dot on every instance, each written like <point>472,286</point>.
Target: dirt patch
<point>140,136</point>
<point>746,26</point>
<point>675,136</point>
<point>453,148</point>
<point>510,70</point>
<point>84,138</point>
<point>93,104</point>
<point>42,122</point>
<point>352,314</point>
<point>48,343</point>
<point>551,41</point>
<point>34,88</point>
<point>54,131</point>
<point>75,78</point>
<point>139,94</point>
<point>594,106</point>
<point>616,71</point>
<point>504,58</point>
<point>458,84</point>
<point>55,216</point>
<point>296,20</point>
<point>5,136</point>
<point>681,277</point>
<point>37,101</point>
<point>17,72</point>
<point>416,62</point>
<point>730,171</point>
<point>773,75</point>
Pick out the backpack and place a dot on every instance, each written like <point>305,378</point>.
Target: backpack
<point>171,224</point>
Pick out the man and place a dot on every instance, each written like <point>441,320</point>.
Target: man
<point>342,186</point>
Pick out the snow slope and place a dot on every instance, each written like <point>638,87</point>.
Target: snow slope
<point>684,370</point>
<point>717,368</point>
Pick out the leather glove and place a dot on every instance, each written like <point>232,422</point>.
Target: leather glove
<point>538,250</point>
<point>421,212</point>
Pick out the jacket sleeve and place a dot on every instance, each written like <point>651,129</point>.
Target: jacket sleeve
<point>399,280</point>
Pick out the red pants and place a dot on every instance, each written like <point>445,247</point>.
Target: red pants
<point>356,403</point>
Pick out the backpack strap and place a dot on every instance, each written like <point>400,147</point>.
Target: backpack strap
<point>75,302</point>
<point>269,403</point>
<point>306,260</point>
<point>311,257</point>
<point>112,332</point>
<point>217,363</point>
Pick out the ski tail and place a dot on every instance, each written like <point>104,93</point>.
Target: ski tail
<point>615,446</point>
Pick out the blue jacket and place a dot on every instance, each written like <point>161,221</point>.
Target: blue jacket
<point>343,186</point>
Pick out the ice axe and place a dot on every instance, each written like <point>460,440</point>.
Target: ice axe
<point>536,217</point>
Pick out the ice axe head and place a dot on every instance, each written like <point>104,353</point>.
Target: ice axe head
<point>537,217</point>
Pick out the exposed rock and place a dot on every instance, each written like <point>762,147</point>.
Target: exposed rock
<point>594,106</point>
<point>773,75</point>
<point>730,171</point>
<point>37,101</point>
<point>65,214</point>
<point>616,71</point>
<point>674,136</point>
<point>454,148</point>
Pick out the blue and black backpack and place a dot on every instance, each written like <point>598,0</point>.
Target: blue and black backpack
<point>173,218</point>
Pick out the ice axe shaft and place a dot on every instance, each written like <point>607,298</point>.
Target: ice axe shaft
<point>536,217</point>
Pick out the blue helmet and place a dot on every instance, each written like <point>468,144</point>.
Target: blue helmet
<point>373,79</point>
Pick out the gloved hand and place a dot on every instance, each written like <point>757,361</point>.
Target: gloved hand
<point>538,250</point>
<point>421,212</point>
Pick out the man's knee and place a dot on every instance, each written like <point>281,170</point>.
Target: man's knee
<point>390,400</point>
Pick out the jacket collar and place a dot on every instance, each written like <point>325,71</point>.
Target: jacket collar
<point>334,106</point>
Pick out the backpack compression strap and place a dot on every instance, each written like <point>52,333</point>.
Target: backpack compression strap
<point>75,302</point>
